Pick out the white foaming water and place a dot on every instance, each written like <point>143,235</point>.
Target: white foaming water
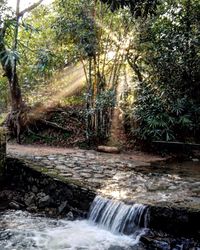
<point>23,231</point>
<point>118,217</point>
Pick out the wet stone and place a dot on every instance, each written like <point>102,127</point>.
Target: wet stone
<point>61,167</point>
<point>76,176</point>
<point>172,188</point>
<point>99,176</point>
<point>85,175</point>
<point>138,181</point>
<point>45,162</point>
<point>67,174</point>
<point>77,168</point>
<point>51,158</point>
<point>38,157</point>
<point>53,171</point>
<point>49,167</point>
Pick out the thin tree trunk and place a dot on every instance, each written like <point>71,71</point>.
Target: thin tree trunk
<point>15,90</point>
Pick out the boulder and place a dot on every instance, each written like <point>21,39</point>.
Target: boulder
<point>29,199</point>
<point>44,201</point>
<point>62,207</point>
<point>14,205</point>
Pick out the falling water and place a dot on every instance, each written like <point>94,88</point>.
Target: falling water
<point>117,216</point>
<point>104,230</point>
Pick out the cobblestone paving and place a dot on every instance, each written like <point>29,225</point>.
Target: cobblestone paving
<point>124,178</point>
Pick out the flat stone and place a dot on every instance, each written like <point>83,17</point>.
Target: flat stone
<point>77,168</point>
<point>61,158</point>
<point>49,167</point>
<point>51,158</point>
<point>85,175</point>
<point>172,188</point>
<point>195,160</point>
<point>14,205</point>
<point>66,174</point>
<point>46,162</point>
<point>99,176</point>
<point>60,167</point>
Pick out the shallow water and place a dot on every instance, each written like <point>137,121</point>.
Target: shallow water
<point>23,231</point>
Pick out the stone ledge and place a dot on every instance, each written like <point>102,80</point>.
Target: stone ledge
<point>31,180</point>
<point>2,152</point>
<point>76,196</point>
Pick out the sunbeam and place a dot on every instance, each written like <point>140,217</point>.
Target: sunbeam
<point>64,84</point>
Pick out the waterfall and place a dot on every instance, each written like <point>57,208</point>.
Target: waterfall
<point>117,216</point>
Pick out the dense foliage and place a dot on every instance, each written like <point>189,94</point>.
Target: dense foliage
<point>167,103</point>
<point>148,48</point>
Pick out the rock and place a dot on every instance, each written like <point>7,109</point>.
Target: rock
<point>34,189</point>
<point>195,160</point>
<point>70,216</point>
<point>66,174</point>
<point>32,209</point>
<point>107,149</point>
<point>85,175</point>
<point>99,176</point>
<point>41,195</point>
<point>172,188</point>
<point>60,167</point>
<point>14,205</point>
<point>6,195</point>
<point>116,248</point>
<point>45,201</point>
<point>38,157</point>
<point>29,199</point>
<point>52,211</point>
<point>153,243</point>
<point>62,207</point>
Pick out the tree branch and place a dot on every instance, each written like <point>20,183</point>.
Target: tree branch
<point>134,66</point>
<point>54,125</point>
<point>30,8</point>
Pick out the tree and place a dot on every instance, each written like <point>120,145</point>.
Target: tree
<point>9,59</point>
<point>138,8</point>
<point>167,105</point>
<point>98,38</point>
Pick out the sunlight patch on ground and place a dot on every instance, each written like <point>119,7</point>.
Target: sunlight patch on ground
<point>113,191</point>
<point>114,194</point>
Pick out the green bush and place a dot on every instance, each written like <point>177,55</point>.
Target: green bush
<point>167,103</point>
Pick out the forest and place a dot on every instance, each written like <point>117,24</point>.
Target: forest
<point>121,72</point>
<point>99,124</point>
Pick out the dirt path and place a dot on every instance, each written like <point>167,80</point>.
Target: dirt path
<point>34,150</point>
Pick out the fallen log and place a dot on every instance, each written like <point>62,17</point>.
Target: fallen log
<point>107,149</point>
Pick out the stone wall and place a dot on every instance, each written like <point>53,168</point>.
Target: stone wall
<point>2,151</point>
<point>40,192</point>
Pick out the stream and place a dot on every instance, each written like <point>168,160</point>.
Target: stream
<point>23,231</point>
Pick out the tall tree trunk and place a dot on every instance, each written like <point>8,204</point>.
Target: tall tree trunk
<point>10,66</point>
<point>16,97</point>
<point>15,91</point>
<point>17,118</point>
